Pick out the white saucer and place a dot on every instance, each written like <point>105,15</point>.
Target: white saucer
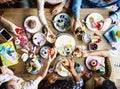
<point>39,39</point>
<point>38,24</point>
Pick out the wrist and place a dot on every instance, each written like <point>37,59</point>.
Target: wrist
<point>72,71</point>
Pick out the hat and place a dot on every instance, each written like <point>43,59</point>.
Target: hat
<point>99,59</point>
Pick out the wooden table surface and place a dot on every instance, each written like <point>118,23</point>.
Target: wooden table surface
<point>18,16</point>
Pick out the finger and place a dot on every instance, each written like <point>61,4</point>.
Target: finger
<point>66,67</point>
<point>54,13</point>
<point>3,69</point>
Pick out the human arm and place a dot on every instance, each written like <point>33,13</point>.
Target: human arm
<point>70,68</point>
<point>43,73</point>
<point>41,12</point>
<point>12,26</point>
<point>57,9</point>
<point>112,19</point>
<point>5,70</point>
<point>76,12</point>
<point>103,53</point>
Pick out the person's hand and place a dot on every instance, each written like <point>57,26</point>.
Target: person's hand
<point>5,70</point>
<point>57,9</point>
<point>50,36</point>
<point>16,30</point>
<point>13,28</point>
<point>76,24</point>
<point>52,56</point>
<point>107,24</point>
<point>71,63</point>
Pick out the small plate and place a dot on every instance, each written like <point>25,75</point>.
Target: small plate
<point>62,22</point>
<point>38,63</point>
<point>39,39</point>
<point>96,17</point>
<point>44,51</point>
<point>61,70</point>
<point>98,58</point>
<point>65,44</point>
<point>37,27</point>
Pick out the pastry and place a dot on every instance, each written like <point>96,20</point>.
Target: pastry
<point>31,24</point>
<point>93,63</point>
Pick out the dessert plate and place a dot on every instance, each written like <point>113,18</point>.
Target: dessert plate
<point>34,66</point>
<point>98,58</point>
<point>44,51</point>
<point>39,39</point>
<point>61,70</point>
<point>62,22</point>
<point>37,26</point>
<point>65,44</point>
<point>94,21</point>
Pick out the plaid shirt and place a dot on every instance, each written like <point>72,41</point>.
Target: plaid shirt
<point>64,84</point>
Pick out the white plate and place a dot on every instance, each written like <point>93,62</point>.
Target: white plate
<point>61,70</point>
<point>65,44</point>
<point>39,39</point>
<point>98,58</point>
<point>44,51</point>
<point>38,63</point>
<point>38,24</point>
<point>97,17</point>
<point>62,22</point>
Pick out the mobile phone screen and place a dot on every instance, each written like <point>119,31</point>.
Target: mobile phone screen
<point>6,35</point>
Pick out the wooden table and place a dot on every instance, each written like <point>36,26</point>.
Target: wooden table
<point>18,16</point>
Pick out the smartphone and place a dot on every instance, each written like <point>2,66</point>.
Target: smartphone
<point>5,34</point>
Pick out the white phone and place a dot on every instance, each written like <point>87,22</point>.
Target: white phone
<point>5,34</point>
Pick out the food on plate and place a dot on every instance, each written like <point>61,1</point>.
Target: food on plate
<point>65,62</point>
<point>96,24</point>
<point>32,66</point>
<point>31,24</point>
<point>51,51</point>
<point>51,38</point>
<point>93,63</point>
<point>93,46</point>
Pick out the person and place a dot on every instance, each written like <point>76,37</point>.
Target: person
<point>55,10</point>
<point>77,4</point>
<point>9,81</point>
<point>52,81</point>
<point>97,80</point>
<point>15,4</point>
<point>13,27</point>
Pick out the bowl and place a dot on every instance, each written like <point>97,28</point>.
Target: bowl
<point>93,46</point>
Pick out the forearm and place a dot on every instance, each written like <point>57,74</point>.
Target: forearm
<point>103,53</point>
<point>6,22</point>
<point>43,73</point>
<point>41,13</point>
<point>76,8</point>
<point>108,68</point>
<point>75,75</point>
